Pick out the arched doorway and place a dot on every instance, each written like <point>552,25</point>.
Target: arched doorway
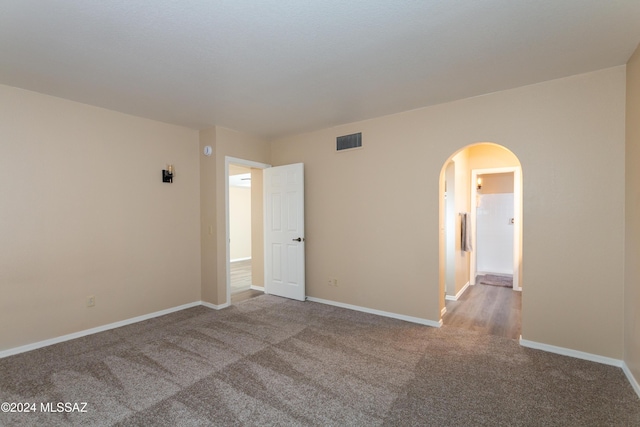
<point>481,232</point>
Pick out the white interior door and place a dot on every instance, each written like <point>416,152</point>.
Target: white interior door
<point>284,231</point>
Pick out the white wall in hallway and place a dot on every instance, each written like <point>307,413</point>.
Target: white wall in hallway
<point>240,222</point>
<point>495,233</point>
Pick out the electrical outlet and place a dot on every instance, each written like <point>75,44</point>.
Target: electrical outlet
<point>91,301</point>
<point>333,282</point>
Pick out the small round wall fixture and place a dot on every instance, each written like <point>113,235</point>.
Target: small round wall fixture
<point>208,150</point>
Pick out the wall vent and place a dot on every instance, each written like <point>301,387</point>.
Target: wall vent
<point>348,142</point>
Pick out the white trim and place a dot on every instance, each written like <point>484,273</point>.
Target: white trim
<point>242,162</point>
<point>585,356</point>
<point>443,311</point>
<point>571,353</point>
<point>257,288</point>
<point>240,259</point>
<point>411,319</point>
<point>213,306</point>
<point>79,334</point>
<point>631,378</point>
<point>525,343</point>
<point>459,294</point>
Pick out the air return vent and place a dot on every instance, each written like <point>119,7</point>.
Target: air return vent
<point>348,142</point>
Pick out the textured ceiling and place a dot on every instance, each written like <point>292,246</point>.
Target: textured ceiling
<point>279,67</point>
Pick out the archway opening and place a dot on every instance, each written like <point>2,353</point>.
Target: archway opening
<point>481,239</point>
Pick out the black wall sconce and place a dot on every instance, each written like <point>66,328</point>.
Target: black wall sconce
<point>167,174</point>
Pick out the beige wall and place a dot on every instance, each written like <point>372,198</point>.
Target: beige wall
<point>208,218</point>
<point>84,211</point>
<point>496,183</point>
<point>226,143</point>
<point>632,219</point>
<point>448,217</point>
<point>462,204</point>
<point>491,156</point>
<point>563,131</point>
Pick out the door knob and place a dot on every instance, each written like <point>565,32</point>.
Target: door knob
<point>299,239</point>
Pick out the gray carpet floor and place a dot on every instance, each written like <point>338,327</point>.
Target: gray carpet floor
<point>272,361</point>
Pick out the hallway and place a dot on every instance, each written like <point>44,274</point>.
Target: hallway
<point>492,310</point>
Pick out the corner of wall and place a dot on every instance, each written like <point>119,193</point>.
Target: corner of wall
<point>208,229</point>
<point>631,355</point>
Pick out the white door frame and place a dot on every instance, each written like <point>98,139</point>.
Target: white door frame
<point>241,162</point>
<point>517,214</point>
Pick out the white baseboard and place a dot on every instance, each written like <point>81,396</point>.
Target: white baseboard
<point>213,306</point>
<point>79,334</point>
<point>631,378</point>
<point>443,311</point>
<point>257,288</point>
<point>458,295</point>
<point>585,356</point>
<point>525,343</point>
<point>571,353</point>
<point>411,319</point>
<point>45,343</point>
<point>240,259</point>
